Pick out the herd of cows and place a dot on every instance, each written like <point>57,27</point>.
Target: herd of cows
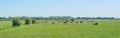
<point>71,21</point>
<point>80,22</point>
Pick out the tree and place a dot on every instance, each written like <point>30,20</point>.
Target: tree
<point>78,18</point>
<point>72,20</point>
<point>33,21</point>
<point>27,21</point>
<point>16,22</point>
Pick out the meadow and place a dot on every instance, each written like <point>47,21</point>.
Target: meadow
<point>105,29</point>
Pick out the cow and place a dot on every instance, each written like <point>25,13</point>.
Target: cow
<point>78,22</point>
<point>95,23</point>
<point>66,22</point>
<point>54,22</point>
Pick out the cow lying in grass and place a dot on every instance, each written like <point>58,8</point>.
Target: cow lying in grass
<point>53,22</point>
<point>95,23</point>
<point>65,22</point>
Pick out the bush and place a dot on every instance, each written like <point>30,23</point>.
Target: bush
<point>33,21</point>
<point>27,21</point>
<point>16,22</point>
<point>72,19</point>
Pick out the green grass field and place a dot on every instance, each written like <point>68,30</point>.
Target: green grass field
<point>105,29</point>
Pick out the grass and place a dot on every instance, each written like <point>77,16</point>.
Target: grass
<point>105,29</point>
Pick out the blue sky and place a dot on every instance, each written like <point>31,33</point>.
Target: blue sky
<point>83,8</point>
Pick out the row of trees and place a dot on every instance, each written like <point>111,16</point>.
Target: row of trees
<point>56,18</point>
<point>16,22</point>
<point>45,18</point>
<point>95,18</point>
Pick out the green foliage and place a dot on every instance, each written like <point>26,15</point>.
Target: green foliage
<point>27,21</point>
<point>16,22</point>
<point>33,21</point>
<point>72,20</point>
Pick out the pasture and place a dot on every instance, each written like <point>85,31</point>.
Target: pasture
<point>105,29</point>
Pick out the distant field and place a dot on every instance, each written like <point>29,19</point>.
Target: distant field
<point>105,29</point>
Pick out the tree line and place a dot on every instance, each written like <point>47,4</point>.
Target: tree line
<point>59,18</point>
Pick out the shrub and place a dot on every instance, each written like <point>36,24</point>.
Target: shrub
<point>33,21</point>
<point>27,21</point>
<point>16,22</point>
<point>72,20</point>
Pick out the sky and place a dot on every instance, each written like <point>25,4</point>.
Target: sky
<point>75,8</point>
